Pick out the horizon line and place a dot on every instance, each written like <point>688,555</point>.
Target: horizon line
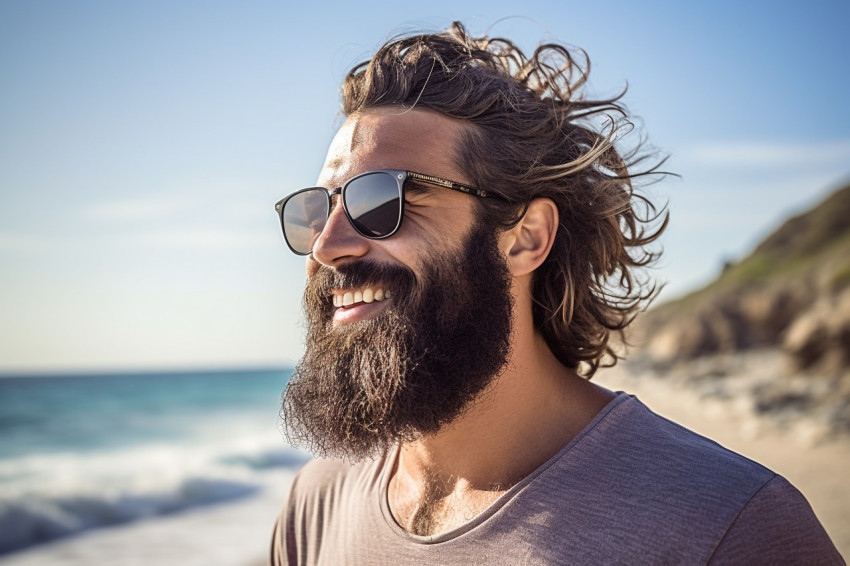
<point>116,372</point>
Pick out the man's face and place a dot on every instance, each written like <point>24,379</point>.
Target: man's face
<point>393,138</point>
<point>390,371</point>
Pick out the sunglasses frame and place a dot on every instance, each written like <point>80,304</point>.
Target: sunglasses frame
<point>401,177</point>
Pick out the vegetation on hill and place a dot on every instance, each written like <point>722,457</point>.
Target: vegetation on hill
<point>791,292</point>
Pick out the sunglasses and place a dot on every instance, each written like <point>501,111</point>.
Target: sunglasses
<point>373,203</point>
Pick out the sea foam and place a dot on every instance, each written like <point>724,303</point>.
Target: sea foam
<point>129,448</point>
<point>64,494</point>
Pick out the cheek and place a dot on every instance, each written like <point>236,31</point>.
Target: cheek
<point>312,266</point>
<point>420,239</point>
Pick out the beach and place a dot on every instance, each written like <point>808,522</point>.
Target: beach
<point>159,468</point>
<point>232,534</point>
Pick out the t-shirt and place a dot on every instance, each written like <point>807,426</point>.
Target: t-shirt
<point>631,488</point>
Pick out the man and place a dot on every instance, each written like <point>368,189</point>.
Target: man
<point>457,302</point>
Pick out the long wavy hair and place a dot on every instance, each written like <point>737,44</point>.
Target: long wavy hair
<point>533,134</point>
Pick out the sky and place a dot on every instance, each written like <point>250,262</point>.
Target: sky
<point>143,145</point>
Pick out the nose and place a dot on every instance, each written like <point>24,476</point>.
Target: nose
<point>339,242</point>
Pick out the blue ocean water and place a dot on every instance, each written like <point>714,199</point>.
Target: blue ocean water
<point>81,452</point>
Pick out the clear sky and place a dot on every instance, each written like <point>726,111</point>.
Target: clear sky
<point>143,144</point>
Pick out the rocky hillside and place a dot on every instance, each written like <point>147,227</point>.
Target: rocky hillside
<point>792,293</point>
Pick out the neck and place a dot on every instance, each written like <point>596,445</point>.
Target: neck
<point>530,412</point>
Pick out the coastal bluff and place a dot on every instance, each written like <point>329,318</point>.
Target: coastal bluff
<point>790,298</point>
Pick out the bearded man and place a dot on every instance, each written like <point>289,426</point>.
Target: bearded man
<point>473,242</point>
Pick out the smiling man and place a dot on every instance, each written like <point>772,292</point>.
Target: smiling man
<point>472,244</point>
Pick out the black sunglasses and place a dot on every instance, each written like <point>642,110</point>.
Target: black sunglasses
<point>372,201</point>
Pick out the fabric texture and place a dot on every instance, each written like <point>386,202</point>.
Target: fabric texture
<point>631,488</point>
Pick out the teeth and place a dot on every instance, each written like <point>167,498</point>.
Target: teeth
<point>365,296</point>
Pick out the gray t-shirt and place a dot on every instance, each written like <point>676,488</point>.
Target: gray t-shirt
<point>631,488</point>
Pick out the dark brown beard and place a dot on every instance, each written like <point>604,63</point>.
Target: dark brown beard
<point>365,386</point>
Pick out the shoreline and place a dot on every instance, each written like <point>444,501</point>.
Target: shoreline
<point>228,534</point>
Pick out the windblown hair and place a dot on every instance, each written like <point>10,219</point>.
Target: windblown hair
<point>533,134</point>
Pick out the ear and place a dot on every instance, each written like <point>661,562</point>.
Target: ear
<point>527,244</point>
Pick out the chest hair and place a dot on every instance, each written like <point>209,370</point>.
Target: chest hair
<point>439,507</point>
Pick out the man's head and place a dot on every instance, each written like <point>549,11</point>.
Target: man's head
<point>530,133</point>
<point>379,372</point>
<point>556,229</point>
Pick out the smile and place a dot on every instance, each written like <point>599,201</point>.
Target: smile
<point>359,304</point>
<point>353,297</point>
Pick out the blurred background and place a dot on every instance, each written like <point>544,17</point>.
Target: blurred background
<point>143,145</point>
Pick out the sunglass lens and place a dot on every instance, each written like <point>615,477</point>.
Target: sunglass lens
<point>374,203</point>
<point>303,218</point>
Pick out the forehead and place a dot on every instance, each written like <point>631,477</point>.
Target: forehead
<point>394,138</point>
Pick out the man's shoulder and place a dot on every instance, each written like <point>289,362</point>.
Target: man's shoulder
<point>654,488</point>
<point>320,472</point>
<point>636,466</point>
<point>687,466</point>
<point>641,441</point>
<point>329,479</point>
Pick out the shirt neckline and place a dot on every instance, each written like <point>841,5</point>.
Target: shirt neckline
<point>391,458</point>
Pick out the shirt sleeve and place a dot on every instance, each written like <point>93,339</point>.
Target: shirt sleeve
<point>282,551</point>
<point>776,526</point>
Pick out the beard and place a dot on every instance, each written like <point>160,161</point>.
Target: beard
<point>443,338</point>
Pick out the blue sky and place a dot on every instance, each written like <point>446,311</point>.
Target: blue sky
<point>142,146</point>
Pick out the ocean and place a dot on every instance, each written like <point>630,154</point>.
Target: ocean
<point>85,453</point>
